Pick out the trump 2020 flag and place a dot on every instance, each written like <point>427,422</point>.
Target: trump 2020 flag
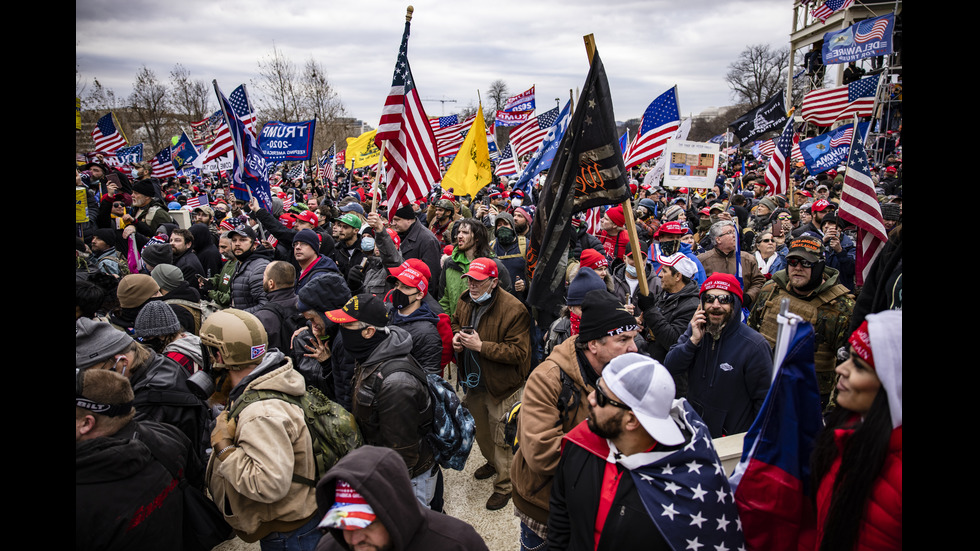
<point>250,174</point>
<point>772,480</point>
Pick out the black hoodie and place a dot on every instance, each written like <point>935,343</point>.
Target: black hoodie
<point>379,475</point>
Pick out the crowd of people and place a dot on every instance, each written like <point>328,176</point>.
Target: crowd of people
<point>203,320</point>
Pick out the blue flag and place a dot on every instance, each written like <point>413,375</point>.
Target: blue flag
<point>127,155</point>
<point>184,151</point>
<point>545,155</point>
<point>829,150</point>
<point>868,38</point>
<point>287,141</point>
<point>250,172</point>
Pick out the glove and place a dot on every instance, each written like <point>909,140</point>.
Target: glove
<point>355,278</point>
<point>646,302</point>
<point>223,432</point>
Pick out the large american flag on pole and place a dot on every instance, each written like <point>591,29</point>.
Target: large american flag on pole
<point>661,119</point>
<point>527,137</point>
<point>859,206</point>
<point>777,171</point>
<point>411,146</point>
<point>243,110</point>
<point>449,133</point>
<point>507,164</point>
<point>107,137</point>
<point>825,107</point>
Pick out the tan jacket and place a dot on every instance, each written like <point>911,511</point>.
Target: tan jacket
<point>753,280</point>
<point>253,485</point>
<point>540,429</point>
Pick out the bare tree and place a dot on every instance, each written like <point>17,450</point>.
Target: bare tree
<point>320,100</point>
<point>190,98</point>
<point>758,73</point>
<point>150,105</point>
<point>99,98</point>
<point>280,87</point>
<point>498,94</point>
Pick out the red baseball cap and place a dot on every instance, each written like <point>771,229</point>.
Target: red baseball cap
<point>481,269</point>
<point>820,205</point>
<point>413,278</point>
<point>309,217</point>
<point>414,264</point>
<point>673,227</point>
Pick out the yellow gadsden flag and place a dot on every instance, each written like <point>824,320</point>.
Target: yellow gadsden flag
<point>361,151</point>
<point>470,170</point>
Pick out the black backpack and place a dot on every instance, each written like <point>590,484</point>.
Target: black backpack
<point>568,401</point>
<point>288,324</point>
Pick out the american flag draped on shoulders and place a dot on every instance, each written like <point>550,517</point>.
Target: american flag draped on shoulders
<point>859,206</point>
<point>107,136</point>
<point>410,151</point>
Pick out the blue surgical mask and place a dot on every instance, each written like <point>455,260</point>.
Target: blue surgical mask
<point>367,243</point>
<point>483,298</point>
<point>631,270</point>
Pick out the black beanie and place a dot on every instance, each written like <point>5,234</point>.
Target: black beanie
<point>405,212</point>
<point>603,315</point>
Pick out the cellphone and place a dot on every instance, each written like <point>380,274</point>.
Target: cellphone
<point>468,329</point>
<point>777,229</point>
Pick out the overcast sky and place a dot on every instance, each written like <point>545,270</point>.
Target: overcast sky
<point>455,49</point>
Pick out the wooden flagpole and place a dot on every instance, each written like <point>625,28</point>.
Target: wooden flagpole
<point>627,205</point>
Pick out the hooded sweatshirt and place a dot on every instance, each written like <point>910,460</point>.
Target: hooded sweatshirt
<point>379,475</point>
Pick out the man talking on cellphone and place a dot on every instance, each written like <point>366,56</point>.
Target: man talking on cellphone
<point>728,365</point>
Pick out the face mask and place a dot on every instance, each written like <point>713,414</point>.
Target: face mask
<point>356,345</point>
<point>483,298</point>
<point>506,236</point>
<point>400,300</point>
<point>576,320</point>
<point>367,243</point>
<point>668,248</point>
<point>515,202</point>
<point>631,270</point>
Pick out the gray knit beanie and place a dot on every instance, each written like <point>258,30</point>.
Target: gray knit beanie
<point>155,320</point>
<point>167,276</point>
<point>97,342</point>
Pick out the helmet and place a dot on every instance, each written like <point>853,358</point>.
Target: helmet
<point>238,335</point>
<point>445,204</point>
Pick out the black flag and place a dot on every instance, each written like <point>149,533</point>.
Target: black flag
<point>771,115</point>
<point>588,171</point>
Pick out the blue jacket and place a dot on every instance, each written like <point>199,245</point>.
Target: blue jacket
<point>727,379</point>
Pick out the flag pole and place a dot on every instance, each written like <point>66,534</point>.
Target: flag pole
<point>627,205</point>
<point>381,149</point>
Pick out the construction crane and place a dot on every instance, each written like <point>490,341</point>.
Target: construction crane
<point>443,101</point>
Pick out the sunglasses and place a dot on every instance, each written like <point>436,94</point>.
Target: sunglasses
<point>794,262</point>
<point>602,400</point>
<point>766,240</point>
<point>722,299</point>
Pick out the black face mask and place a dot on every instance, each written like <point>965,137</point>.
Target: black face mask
<point>357,346</point>
<point>506,236</point>
<point>400,300</point>
<point>668,248</point>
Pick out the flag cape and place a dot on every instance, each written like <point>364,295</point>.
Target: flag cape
<point>770,115</point>
<point>545,155</point>
<point>588,171</point>
<point>772,480</point>
<point>470,171</point>
<point>361,151</point>
<point>868,38</point>
<point>826,151</point>
<point>287,141</point>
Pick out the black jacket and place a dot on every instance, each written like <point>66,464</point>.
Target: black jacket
<point>379,475</point>
<point>668,320</point>
<point>126,497</point>
<point>418,242</point>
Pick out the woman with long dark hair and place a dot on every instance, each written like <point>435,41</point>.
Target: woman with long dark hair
<point>857,459</point>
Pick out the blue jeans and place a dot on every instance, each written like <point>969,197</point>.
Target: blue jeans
<point>424,486</point>
<point>303,538</point>
<point>531,541</point>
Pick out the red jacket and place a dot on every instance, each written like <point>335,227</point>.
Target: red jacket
<point>881,527</point>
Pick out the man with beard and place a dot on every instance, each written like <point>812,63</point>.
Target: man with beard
<point>182,244</point>
<point>246,285</point>
<point>417,242</point>
<point>219,286</point>
<point>641,471</point>
<point>728,365</point>
<point>442,218</point>
<point>816,295</point>
<point>523,216</point>
<point>390,397</point>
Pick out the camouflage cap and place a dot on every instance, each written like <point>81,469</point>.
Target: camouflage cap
<point>238,335</point>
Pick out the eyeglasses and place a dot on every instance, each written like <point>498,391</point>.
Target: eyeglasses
<point>787,218</point>
<point>794,262</point>
<point>770,240</point>
<point>602,400</point>
<point>733,232</point>
<point>722,299</point>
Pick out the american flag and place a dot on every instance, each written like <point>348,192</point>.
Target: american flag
<point>327,166</point>
<point>842,138</point>
<point>777,172</point>
<point>107,137</point>
<point>829,7</point>
<point>871,29</point>
<point>199,201</point>
<point>859,206</point>
<point>296,172</point>
<point>507,164</point>
<point>243,110</point>
<point>411,145</point>
<point>287,201</point>
<point>449,133</point>
<point>825,107</point>
<point>661,119</point>
<point>527,137</point>
<point>162,164</point>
